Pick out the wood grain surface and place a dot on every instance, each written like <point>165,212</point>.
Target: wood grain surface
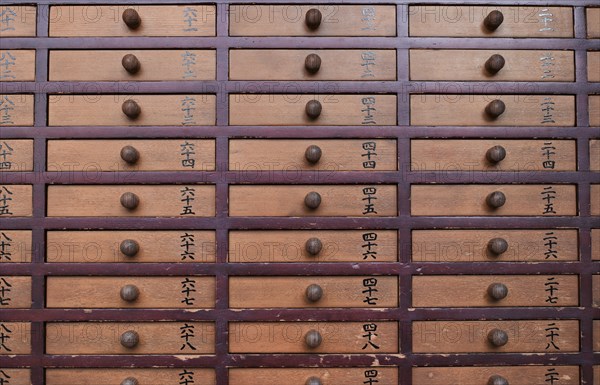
<point>594,110</point>
<point>110,376</point>
<point>299,376</point>
<point>522,375</point>
<point>593,66</point>
<point>22,68</point>
<point>17,246</point>
<point>16,200</point>
<point>17,155</point>
<point>18,336</point>
<point>17,110</point>
<point>593,22</point>
<point>595,154</point>
<point>23,21</point>
<point>15,292</point>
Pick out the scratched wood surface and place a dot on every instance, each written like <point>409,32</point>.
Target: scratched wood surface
<point>110,376</point>
<point>16,292</point>
<point>16,200</point>
<point>17,110</point>
<point>17,246</point>
<point>299,376</point>
<point>17,155</point>
<point>20,20</point>
<point>522,375</point>
<point>22,68</point>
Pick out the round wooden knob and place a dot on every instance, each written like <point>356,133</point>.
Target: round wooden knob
<point>497,337</point>
<point>495,154</point>
<point>313,109</point>
<point>314,292</point>
<point>313,339</point>
<point>130,381</point>
<point>313,246</point>
<point>497,380</point>
<point>129,247</point>
<point>496,199</point>
<point>495,108</point>
<point>497,291</point>
<point>313,381</point>
<point>129,154</point>
<point>129,293</point>
<point>130,201</point>
<point>130,339</point>
<point>131,109</point>
<point>312,63</point>
<point>312,200</point>
<point>313,18</point>
<point>131,63</point>
<point>494,64</point>
<point>493,20</point>
<point>132,18</point>
<point>497,246</point>
<point>313,153</point>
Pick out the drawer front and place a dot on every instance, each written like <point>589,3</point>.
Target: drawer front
<point>16,338</point>
<point>131,201</point>
<point>142,110</point>
<point>596,333</point>
<point>471,110</point>
<point>297,64</point>
<point>293,337</point>
<point>327,376</point>
<point>595,154</point>
<point>522,375</point>
<point>328,110</point>
<point>183,246</point>
<point>131,155</point>
<point>484,65</point>
<point>16,110</point>
<point>15,292</point>
<point>15,200</point>
<point>530,336</point>
<point>15,376</point>
<point>470,21</point>
<point>593,22</point>
<point>593,66</point>
<point>511,155</point>
<point>148,20</point>
<point>316,291</point>
<point>495,290</point>
<point>99,338</point>
<point>596,244</point>
<point>595,199</point>
<point>594,110</point>
<point>18,20</point>
<point>16,155</point>
<point>596,289</point>
<point>301,154</point>
<point>130,292</point>
<point>285,201</point>
<point>109,376</point>
<point>313,246</point>
<point>17,65</point>
<point>146,65</point>
<point>495,245</point>
<point>520,200</point>
<point>292,20</point>
<point>15,246</point>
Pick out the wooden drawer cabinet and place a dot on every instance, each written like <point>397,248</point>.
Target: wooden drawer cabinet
<point>327,376</point>
<point>16,338</point>
<point>16,155</point>
<point>523,375</point>
<point>15,200</point>
<point>15,246</point>
<point>17,65</point>
<point>110,376</point>
<point>15,292</point>
<point>18,20</point>
<point>16,110</point>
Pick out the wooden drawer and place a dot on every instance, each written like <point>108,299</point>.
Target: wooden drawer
<point>16,338</point>
<point>130,292</point>
<point>294,201</point>
<point>300,376</point>
<point>100,338</point>
<point>15,200</point>
<point>495,290</point>
<point>522,375</point>
<point>151,65</point>
<point>596,244</point>
<point>16,155</point>
<point>301,154</point>
<point>294,337</point>
<point>292,20</point>
<point>17,65</point>
<point>596,333</point>
<point>593,23</point>
<point>445,246</point>
<point>523,336</point>
<point>16,110</point>
<point>485,65</point>
<point>109,376</point>
<point>15,246</point>
<point>15,376</point>
<point>470,110</point>
<point>152,110</point>
<point>593,66</point>
<point>297,64</point>
<point>470,21</point>
<point>595,154</point>
<point>292,110</point>
<point>520,200</point>
<point>311,292</point>
<point>112,201</point>
<point>151,20</point>
<point>15,292</point>
<point>183,246</point>
<point>596,289</point>
<point>595,199</point>
<point>594,110</point>
<point>131,155</point>
<point>18,20</point>
<point>484,154</point>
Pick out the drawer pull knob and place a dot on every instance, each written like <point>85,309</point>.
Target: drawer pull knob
<point>131,109</point>
<point>130,339</point>
<point>494,64</point>
<point>313,153</point>
<point>131,63</point>
<point>497,246</point>
<point>496,199</point>
<point>313,381</point>
<point>130,155</point>
<point>497,380</point>
<point>312,200</point>
<point>132,18</point>
<point>497,337</point>
<point>129,247</point>
<point>497,291</point>
<point>495,108</point>
<point>313,109</point>
<point>493,20</point>
<point>495,154</point>
<point>313,339</point>
<point>312,63</point>
<point>129,293</point>
<point>314,292</point>
<point>130,381</point>
<point>313,246</point>
<point>130,201</point>
<point>313,18</point>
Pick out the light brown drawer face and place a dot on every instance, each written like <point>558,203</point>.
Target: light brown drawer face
<point>481,110</point>
<point>522,336</point>
<point>327,376</point>
<point>493,154</point>
<point>317,291</point>
<point>296,64</point>
<point>183,246</point>
<point>495,291</point>
<point>596,327</point>
<point>596,244</point>
<point>595,154</point>
<point>313,154</point>
<point>17,338</point>
<point>325,20</point>
<point>16,376</point>
<point>130,292</point>
<point>316,200</point>
<point>100,338</point>
<point>593,22</point>
<point>326,110</point>
<point>485,65</point>
<point>147,20</point>
<point>16,110</point>
<point>594,110</point>
<point>523,375</point>
<point>15,292</point>
<point>495,245</point>
<point>131,201</point>
<point>595,199</point>
<point>16,155</point>
<point>593,66</point>
<point>470,21</point>
<point>145,65</point>
<point>15,246</point>
<point>131,155</point>
<point>313,246</point>
<point>519,200</point>
<point>109,376</point>
<point>139,110</point>
<point>17,65</point>
<point>15,200</point>
<point>18,20</point>
<point>596,289</point>
<point>313,337</point>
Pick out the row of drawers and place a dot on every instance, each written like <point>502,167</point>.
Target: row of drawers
<point>300,20</point>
